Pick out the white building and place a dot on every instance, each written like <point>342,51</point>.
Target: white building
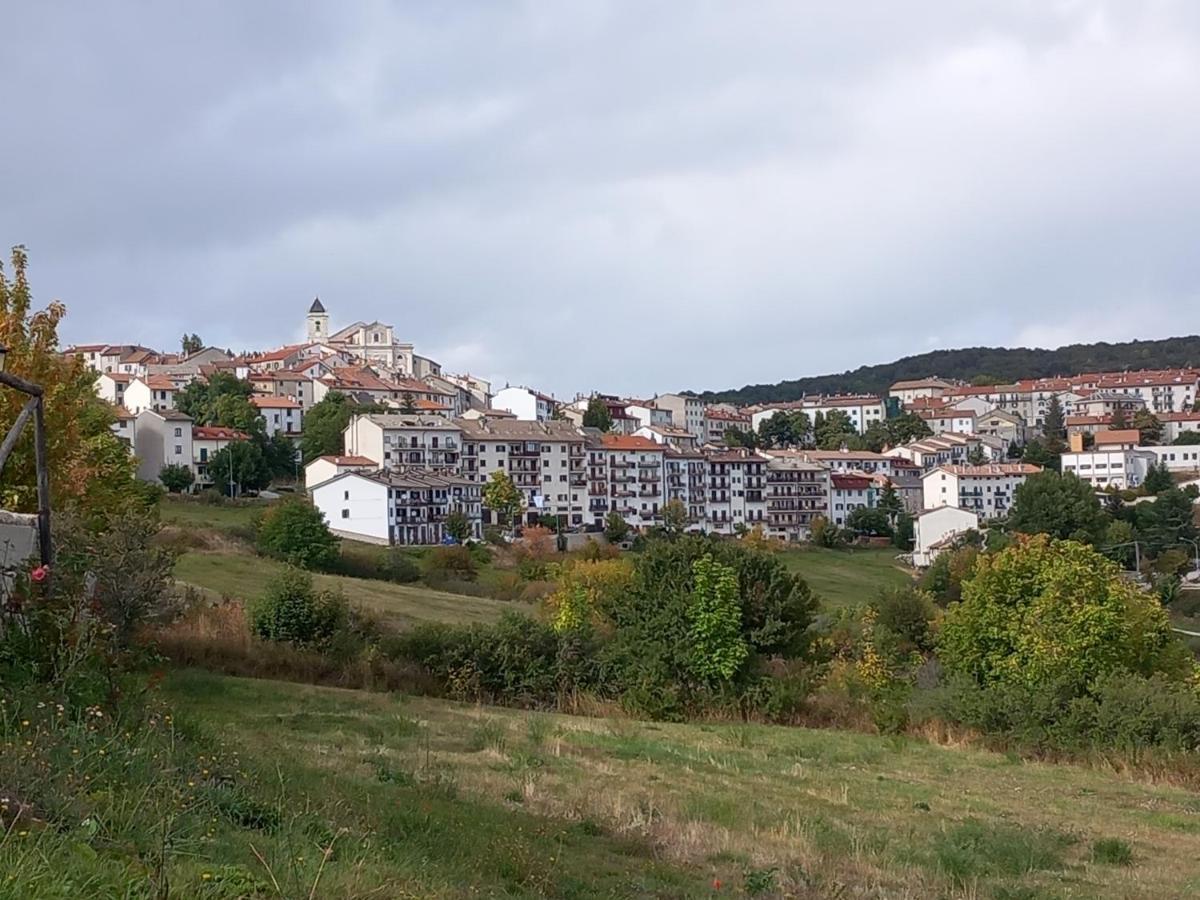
<point>393,440</point>
<point>282,415</point>
<point>525,403</point>
<point>1115,467</point>
<point>626,475</point>
<point>862,411</point>
<point>908,391</point>
<point>687,481</point>
<point>936,530</point>
<point>670,435</point>
<point>736,490</point>
<point>648,414</point>
<point>162,438</point>
<point>797,492</point>
<point>152,392</point>
<point>324,468</point>
<point>848,492</point>
<point>404,506</point>
<point>985,490</point>
<point>687,412</point>
<point>1177,458</point>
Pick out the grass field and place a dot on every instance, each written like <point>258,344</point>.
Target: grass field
<point>847,577</point>
<point>534,804</point>
<point>195,514</point>
<point>244,576</point>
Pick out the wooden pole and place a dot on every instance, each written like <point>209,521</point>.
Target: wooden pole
<point>43,480</point>
<point>10,440</point>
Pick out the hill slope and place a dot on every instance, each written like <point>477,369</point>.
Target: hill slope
<point>1000,363</point>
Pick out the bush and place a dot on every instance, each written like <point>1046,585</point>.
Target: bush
<point>176,478</point>
<point>295,531</point>
<point>1056,612</point>
<point>443,564</point>
<point>907,614</point>
<point>292,612</point>
<point>399,567</point>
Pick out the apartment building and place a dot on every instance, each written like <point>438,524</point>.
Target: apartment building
<point>686,412</point>
<point>648,414</point>
<point>847,460</point>
<point>525,403</point>
<point>687,481</point>
<point>394,439</point>
<point>939,450</point>
<point>717,421</point>
<point>915,389</point>
<point>1116,467</point>
<point>1174,424</point>
<point>796,492</point>
<point>984,490</point>
<point>547,461</point>
<point>848,492</point>
<point>1180,458</point>
<point>863,411</point>
<point>284,383</point>
<point>626,474</point>
<point>403,506</point>
<point>669,435</point>
<point>736,490</point>
<point>281,415</point>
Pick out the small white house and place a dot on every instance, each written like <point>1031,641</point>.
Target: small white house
<point>1105,468</point>
<point>936,529</point>
<point>525,403</point>
<point>162,438</point>
<point>986,490</point>
<point>397,507</point>
<point>324,468</point>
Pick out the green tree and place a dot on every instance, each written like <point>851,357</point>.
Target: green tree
<point>889,500</point>
<point>502,497</point>
<point>824,533</point>
<point>1038,452</point>
<point>239,467</point>
<point>291,611</point>
<point>1167,522</point>
<point>597,415</point>
<point>716,646</point>
<point>868,521</point>
<point>1158,479</point>
<point>616,529</point>
<point>325,422</point>
<point>674,517</point>
<point>1187,438</point>
<point>1046,612</point>
<point>1118,544</point>
<point>176,477</point>
<point>89,466</point>
<point>235,411</point>
<point>280,455</point>
<point>295,530</point>
<point>977,457</point>
<point>211,402</point>
<point>191,343</point>
<point>736,437</point>
<point>903,532</point>
<point>834,430</point>
<point>1062,506</point>
<point>1150,429</point>
<point>876,437</point>
<point>1119,419</point>
<point>908,427</point>
<point>458,526</point>
<point>1054,426</point>
<point>408,405</point>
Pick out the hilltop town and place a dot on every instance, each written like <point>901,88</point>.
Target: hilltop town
<point>419,442</point>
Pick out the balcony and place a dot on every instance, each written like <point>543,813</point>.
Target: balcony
<point>649,464</point>
<point>623,479</point>
<point>621,463</point>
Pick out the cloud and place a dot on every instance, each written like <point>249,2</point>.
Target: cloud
<point>613,196</point>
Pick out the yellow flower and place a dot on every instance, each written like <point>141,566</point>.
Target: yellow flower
<point>206,876</point>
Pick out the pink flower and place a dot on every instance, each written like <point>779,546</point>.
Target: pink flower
<point>40,574</point>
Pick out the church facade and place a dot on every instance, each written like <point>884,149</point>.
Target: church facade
<point>373,343</point>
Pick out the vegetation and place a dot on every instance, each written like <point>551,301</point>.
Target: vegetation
<point>597,415</point>
<point>1001,365</point>
<point>238,467</point>
<point>296,531</point>
<point>325,422</point>
<point>503,497</point>
<point>176,477</point>
<point>291,611</point>
<point>1063,506</point>
<point>191,343</point>
<point>616,529</point>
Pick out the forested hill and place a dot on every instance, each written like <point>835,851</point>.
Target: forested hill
<point>983,364</point>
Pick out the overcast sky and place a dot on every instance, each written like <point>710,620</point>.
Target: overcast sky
<point>631,197</point>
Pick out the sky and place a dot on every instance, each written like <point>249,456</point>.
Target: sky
<point>628,197</point>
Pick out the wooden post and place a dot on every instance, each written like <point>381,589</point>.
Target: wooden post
<point>43,479</point>
<point>14,433</point>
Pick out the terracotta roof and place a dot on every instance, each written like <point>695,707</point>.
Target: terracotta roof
<point>281,353</point>
<point>628,442</point>
<point>429,406</point>
<point>725,416</point>
<point>159,383</point>
<point>122,413</point>
<point>120,377</point>
<point>217,433</point>
<point>921,383</point>
<point>846,481</point>
<point>1087,420</point>
<point>85,348</point>
<point>348,460</point>
<point>1119,436</point>
<point>273,402</point>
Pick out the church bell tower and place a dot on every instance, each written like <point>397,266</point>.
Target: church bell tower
<point>318,321</point>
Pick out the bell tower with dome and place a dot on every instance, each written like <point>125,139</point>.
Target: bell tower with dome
<point>318,321</point>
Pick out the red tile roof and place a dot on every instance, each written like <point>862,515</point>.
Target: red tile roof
<point>348,460</point>
<point>847,482</point>
<point>273,402</point>
<point>217,433</point>
<point>1119,436</point>
<point>628,442</point>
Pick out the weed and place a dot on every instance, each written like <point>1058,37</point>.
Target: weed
<point>489,734</point>
<point>759,881</point>
<point>973,849</point>
<point>538,729</point>
<point>1112,852</point>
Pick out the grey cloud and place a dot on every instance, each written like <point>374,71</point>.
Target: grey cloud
<point>623,196</point>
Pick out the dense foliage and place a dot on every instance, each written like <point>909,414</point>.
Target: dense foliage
<point>1001,364</point>
<point>325,422</point>
<point>292,611</point>
<point>296,531</point>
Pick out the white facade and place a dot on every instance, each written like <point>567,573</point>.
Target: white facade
<point>935,529</point>
<point>162,438</point>
<point>1119,467</point>
<point>686,412</point>
<point>281,415</point>
<point>1177,458</point>
<point>626,475</point>
<point>526,404</point>
<point>736,491</point>
<point>848,492</point>
<point>324,468</point>
<point>404,440</point>
<point>985,490</point>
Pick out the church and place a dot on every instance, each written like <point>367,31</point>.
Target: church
<point>373,343</point>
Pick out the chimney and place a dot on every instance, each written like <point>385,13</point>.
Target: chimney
<point>1076,442</point>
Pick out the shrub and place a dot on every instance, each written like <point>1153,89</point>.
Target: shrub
<point>1045,611</point>
<point>399,567</point>
<point>292,612</point>
<point>176,478</point>
<point>444,564</point>
<point>458,526</point>
<point>295,531</point>
<point>908,615</point>
<point>1112,852</point>
<point>616,529</point>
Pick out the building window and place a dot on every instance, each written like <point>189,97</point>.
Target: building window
<point>345,513</point>
<point>178,433</point>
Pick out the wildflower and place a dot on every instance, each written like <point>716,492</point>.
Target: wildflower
<point>24,723</point>
<point>39,574</point>
<point>22,834</point>
<point>716,884</point>
<point>207,876</point>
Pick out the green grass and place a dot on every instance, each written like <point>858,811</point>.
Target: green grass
<point>244,577</point>
<point>196,514</point>
<point>761,809</point>
<point>843,578</point>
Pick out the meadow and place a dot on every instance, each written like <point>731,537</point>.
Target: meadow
<point>458,798</point>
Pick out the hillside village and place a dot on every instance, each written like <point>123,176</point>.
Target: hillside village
<point>952,453</point>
